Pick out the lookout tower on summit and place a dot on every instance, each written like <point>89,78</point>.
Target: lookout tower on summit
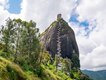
<point>59,16</point>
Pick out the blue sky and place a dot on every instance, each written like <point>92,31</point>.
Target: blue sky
<point>14,6</point>
<point>74,19</point>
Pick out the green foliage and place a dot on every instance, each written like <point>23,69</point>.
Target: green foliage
<point>21,41</point>
<point>53,74</point>
<point>2,46</point>
<point>11,71</point>
<point>75,61</point>
<point>50,70</point>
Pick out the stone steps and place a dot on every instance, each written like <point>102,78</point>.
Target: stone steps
<point>58,40</point>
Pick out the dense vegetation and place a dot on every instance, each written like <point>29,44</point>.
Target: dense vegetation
<point>22,57</point>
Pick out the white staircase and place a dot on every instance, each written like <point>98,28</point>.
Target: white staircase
<point>58,40</point>
<point>59,64</point>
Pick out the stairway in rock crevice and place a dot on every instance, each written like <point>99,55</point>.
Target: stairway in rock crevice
<point>58,63</point>
<point>58,40</point>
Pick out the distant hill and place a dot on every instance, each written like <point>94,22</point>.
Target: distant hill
<point>96,75</point>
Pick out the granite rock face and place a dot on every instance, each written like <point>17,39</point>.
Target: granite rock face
<point>68,46</point>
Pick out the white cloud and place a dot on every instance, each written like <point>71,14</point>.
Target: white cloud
<point>93,48</point>
<point>44,11</point>
<point>91,8</point>
<point>4,4</point>
<point>3,12</point>
<point>95,59</point>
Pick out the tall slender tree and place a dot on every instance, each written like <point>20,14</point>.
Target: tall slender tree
<point>21,40</point>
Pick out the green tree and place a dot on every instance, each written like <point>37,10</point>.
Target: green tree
<point>21,40</point>
<point>6,32</point>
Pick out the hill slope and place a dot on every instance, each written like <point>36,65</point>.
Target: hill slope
<point>96,75</point>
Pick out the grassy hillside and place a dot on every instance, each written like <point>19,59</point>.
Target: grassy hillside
<point>46,71</point>
<point>12,71</point>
